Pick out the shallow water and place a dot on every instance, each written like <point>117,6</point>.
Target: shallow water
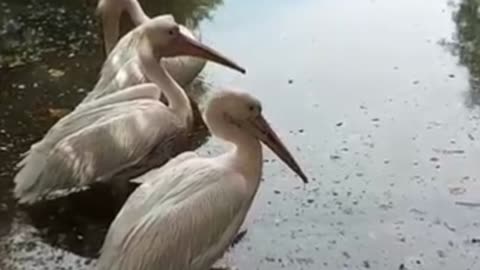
<point>377,99</point>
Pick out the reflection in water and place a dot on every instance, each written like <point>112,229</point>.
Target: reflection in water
<point>186,12</point>
<point>190,12</point>
<point>32,28</point>
<point>50,56</point>
<point>467,45</point>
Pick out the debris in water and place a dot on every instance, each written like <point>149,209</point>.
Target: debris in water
<point>16,63</point>
<point>58,113</point>
<point>441,253</point>
<point>448,152</point>
<point>469,204</point>
<point>334,157</point>
<point>290,81</point>
<point>270,259</point>
<point>418,212</point>
<point>457,190</point>
<point>56,72</point>
<point>450,228</point>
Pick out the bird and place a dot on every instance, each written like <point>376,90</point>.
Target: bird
<point>122,134</point>
<point>185,214</point>
<point>120,69</point>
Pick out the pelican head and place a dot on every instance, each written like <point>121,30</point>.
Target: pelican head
<point>242,113</point>
<point>167,39</point>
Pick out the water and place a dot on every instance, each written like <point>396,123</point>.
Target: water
<point>377,99</point>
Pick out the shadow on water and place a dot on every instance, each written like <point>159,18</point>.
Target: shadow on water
<point>466,45</point>
<point>50,56</point>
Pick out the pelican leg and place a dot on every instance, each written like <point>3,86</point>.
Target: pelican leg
<point>239,237</point>
<point>222,264</point>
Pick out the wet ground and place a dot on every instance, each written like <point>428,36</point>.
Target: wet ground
<point>379,99</point>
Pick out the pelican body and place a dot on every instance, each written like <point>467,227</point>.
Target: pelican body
<point>185,214</point>
<point>121,68</point>
<point>122,134</point>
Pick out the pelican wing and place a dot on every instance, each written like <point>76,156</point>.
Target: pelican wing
<point>87,115</point>
<point>117,77</point>
<point>72,123</point>
<point>98,151</point>
<point>140,91</point>
<point>183,220</point>
<point>152,175</point>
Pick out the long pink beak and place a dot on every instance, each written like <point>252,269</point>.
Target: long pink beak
<point>185,45</point>
<point>262,130</point>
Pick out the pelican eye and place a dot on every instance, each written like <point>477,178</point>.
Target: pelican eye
<point>255,108</point>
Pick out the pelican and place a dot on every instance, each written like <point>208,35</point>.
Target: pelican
<point>185,214</point>
<point>120,69</point>
<point>123,134</point>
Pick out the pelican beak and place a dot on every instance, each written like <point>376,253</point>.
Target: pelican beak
<point>262,130</point>
<point>188,46</point>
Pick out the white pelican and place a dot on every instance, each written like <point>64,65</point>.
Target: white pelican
<point>185,214</point>
<point>120,69</point>
<point>122,134</point>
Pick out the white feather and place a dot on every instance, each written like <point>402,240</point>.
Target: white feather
<point>80,156</point>
<point>184,199</point>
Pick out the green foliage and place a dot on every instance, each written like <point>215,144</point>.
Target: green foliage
<point>31,29</point>
<point>467,44</point>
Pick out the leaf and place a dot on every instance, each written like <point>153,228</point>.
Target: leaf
<point>56,72</point>
<point>58,113</point>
